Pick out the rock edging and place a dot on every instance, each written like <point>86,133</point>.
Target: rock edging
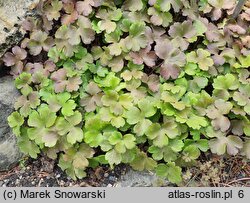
<point>9,152</point>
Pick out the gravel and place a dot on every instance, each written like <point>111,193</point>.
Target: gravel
<point>44,172</point>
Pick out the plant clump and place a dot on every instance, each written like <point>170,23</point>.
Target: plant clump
<point>149,83</point>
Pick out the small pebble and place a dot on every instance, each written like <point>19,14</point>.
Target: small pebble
<point>112,178</point>
<point>17,181</point>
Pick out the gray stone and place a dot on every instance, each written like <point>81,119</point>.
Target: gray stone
<point>9,153</point>
<point>12,14</point>
<point>141,179</point>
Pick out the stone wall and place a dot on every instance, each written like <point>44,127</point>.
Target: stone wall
<point>9,153</point>
<point>12,14</point>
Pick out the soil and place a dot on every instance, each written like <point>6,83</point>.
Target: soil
<point>45,173</point>
<point>210,171</point>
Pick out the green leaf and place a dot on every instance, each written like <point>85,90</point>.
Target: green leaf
<point>157,134</point>
<point>191,152</point>
<point>147,107</point>
<point>50,139</point>
<point>202,144</point>
<point>43,117</point>
<point>69,126</point>
<point>246,149</point>
<point>196,122</point>
<point>226,82</point>
<point>136,29</point>
<point>133,5</point>
<point>244,62</point>
<point>191,68</point>
<point>163,5</point>
<point>75,135</point>
<point>176,145</point>
<point>246,129</point>
<point>160,18</point>
<point>15,120</point>
<point>113,157</point>
<point>129,141</point>
<point>75,160</point>
<point>54,54</point>
<point>200,27</point>
<point>202,58</point>
<point>28,147</point>
<point>141,127</point>
<point>62,101</point>
<point>169,171</point>
<point>115,138</point>
<point>23,80</point>
<point>118,122</point>
<point>93,138</point>
<point>134,115</point>
<point>129,156</point>
<point>165,153</point>
<point>122,143</point>
<point>142,162</point>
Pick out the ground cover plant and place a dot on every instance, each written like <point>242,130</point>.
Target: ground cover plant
<point>149,83</point>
